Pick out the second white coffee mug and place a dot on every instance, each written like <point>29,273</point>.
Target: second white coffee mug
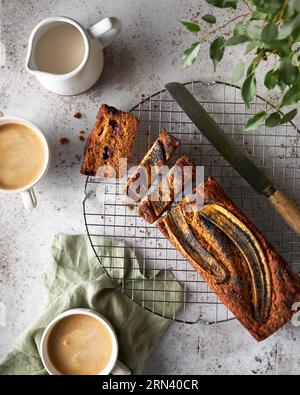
<point>83,77</point>
<point>114,366</point>
<point>27,192</point>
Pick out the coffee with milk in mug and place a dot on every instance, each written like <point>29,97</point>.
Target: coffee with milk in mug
<point>22,156</point>
<point>80,345</point>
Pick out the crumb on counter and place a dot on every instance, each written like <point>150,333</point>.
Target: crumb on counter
<point>78,115</point>
<point>64,141</point>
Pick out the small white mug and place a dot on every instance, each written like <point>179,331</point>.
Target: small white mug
<point>95,39</point>
<point>27,193</point>
<point>114,366</point>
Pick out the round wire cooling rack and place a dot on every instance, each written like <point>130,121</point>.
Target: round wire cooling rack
<point>109,220</point>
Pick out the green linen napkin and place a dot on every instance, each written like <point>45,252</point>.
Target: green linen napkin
<point>76,279</point>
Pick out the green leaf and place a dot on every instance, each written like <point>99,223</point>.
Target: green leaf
<point>296,35</point>
<point>236,40</point>
<point>251,69</point>
<point>190,55</point>
<point>239,29</point>
<point>292,96</point>
<point>223,3</point>
<point>287,72</point>
<point>256,121</point>
<point>282,86</point>
<point>273,120</point>
<point>191,26</point>
<point>249,89</point>
<point>217,50</point>
<point>289,116</point>
<point>281,46</point>
<point>288,27</point>
<point>258,15</point>
<point>251,46</point>
<point>239,72</point>
<point>209,18</point>
<point>269,33</point>
<point>295,5</point>
<point>254,32</point>
<point>269,6</point>
<point>271,79</point>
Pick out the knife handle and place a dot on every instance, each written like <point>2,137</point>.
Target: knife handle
<point>287,208</point>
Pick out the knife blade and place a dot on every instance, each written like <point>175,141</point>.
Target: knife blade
<point>217,137</point>
<point>285,207</point>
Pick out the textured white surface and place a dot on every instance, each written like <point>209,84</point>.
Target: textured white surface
<point>144,58</point>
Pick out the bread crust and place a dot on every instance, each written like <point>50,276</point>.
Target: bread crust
<point>112,139</point>
<point>234,286</point>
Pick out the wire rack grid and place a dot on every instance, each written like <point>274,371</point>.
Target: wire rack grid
<point>107,213</point>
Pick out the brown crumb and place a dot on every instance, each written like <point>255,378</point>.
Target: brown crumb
<point>64,141</point>
<point>78,115</point>
<point>81,138</point>
<point>197,148</point>
<point>130,207</point>
<point>82,132</point>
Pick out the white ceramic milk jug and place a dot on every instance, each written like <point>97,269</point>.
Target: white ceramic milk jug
<point>88,70</point>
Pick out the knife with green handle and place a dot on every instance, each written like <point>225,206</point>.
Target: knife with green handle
<point>288,209</point>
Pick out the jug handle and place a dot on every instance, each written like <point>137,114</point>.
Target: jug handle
<point>106,30</point>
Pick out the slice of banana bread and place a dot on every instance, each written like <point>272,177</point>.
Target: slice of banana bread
<point>157,157</point>
<point>172,186</point>
<point>112,139</point>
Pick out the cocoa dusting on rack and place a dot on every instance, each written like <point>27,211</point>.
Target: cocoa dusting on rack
<point>130,207</point>
<point>64,141</point>
<point>78,115</point>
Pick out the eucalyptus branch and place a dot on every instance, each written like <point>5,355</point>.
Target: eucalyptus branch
<point>264,54</point>
<point>281,16</point>
<point>268,29</point>
<point>228,23</point>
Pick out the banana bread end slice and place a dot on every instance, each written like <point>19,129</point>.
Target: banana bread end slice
<point>112,139</point>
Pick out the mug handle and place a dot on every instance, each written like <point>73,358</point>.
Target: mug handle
<point>121,370</point>
<point>106,30</point>
<point>29,199</point>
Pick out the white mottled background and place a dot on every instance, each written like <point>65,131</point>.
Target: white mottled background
<point>144,58</point>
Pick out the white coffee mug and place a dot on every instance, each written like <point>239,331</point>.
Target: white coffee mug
<point>114,366</point>
<point>95,39</point>
<point>27,193</point>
